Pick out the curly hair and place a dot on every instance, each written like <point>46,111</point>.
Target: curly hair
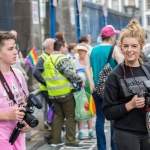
<point>133,29</point>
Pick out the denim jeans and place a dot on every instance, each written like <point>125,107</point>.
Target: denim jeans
<point>131,141</point>
<point>100,121</point>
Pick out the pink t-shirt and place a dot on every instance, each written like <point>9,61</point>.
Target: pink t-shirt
<point>7,127</point>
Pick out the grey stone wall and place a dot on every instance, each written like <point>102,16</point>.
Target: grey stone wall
<point>63,19</point>
<point>28,33</point>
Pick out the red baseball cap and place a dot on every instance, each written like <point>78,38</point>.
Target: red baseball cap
<point>109,30</point>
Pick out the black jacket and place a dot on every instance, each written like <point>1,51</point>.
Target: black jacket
<point>116,95</point>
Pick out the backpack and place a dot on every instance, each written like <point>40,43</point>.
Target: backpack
<point>103,76</point>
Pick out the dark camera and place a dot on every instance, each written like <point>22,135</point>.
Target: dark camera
<point>30,119</point>
<point>147,92</point>
<point>147,109</point>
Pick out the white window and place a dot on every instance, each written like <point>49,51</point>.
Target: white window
<point>148,4</point>
<point>99,2</point>
<point>148,20</point>
<point>115,4</point>
<point>132,2</point>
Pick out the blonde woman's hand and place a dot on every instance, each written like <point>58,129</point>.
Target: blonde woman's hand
<point>136,102</point>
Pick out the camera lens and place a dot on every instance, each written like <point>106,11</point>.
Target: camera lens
<point>34,123</point>
<point>31,120</point>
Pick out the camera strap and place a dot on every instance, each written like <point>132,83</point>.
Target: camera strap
<point>7,88</point>
<point>18,81</point>
<point>144,70</point>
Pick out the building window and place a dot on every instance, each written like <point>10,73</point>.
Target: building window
<point>148,20</point>
<point>131,2</point>
<point>115,4</point>
<point>99,2</point>
<point>148,4</point>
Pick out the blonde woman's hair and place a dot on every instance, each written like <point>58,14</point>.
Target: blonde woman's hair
<point>133,29</point>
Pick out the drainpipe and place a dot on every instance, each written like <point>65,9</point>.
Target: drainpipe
<point>77,21</point>
<point>52,19</point>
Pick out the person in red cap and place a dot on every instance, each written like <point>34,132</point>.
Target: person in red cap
<point>109,30</point>
<point>97,60</point>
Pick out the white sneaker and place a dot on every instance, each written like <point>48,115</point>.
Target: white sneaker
<point>55,145</point>
<point>47,124</point>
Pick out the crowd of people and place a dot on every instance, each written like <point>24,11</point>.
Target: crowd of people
<point>61,69</point>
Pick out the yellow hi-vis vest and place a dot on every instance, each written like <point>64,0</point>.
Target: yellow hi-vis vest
<point>44,56</point>
<point>57,84</point>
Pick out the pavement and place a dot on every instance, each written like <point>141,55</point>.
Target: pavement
<point>37,141</point>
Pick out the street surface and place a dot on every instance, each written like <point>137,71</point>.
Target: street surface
<point>37,141</point>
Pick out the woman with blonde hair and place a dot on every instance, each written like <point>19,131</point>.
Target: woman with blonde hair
<point>123,98</point>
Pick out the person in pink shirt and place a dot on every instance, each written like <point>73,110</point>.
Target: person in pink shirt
<point>9,111</point>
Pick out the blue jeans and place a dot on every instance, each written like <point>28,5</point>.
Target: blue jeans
<point>100,121</point>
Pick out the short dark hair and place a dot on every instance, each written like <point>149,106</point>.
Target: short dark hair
<point>5,35</point>
<point>58,44</point>
<point>105,38</point>
<point>83,39</point>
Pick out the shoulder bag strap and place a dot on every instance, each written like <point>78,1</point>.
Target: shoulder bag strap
<point>110,54</point>
<point>145,70</point>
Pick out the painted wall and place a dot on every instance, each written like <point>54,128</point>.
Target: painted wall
<point>6,15</point>
<point>92,19</point>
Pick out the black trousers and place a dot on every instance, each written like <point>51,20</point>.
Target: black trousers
<point>131,141</point>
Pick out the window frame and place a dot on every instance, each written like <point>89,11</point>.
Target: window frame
<point>113,7</point>
<point>131,3</point>
<point>148,19</point>
<point>148,4</point>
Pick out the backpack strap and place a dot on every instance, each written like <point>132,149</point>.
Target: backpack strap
<point>110,54</point>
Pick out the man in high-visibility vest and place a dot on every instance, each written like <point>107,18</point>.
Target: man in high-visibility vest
<point>61,79</point>
<point>38,71</point>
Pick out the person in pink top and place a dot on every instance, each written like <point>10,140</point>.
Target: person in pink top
<point>9,112</point>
